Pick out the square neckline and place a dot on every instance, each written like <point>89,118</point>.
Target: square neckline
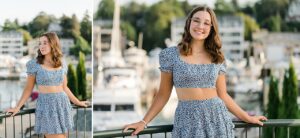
<point>181,60</point>
<point>50,70</point>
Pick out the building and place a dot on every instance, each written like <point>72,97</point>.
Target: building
<point>231,29</point>
<point>11,43</point>
<point>55,27</point>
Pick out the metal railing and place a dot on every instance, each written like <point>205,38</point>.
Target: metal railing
<point>151,130</point>
<point>22,124</point>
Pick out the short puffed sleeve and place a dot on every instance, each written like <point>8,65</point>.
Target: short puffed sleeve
<point>31,67</point>
<point>166,59</point>
<point>222,69</point>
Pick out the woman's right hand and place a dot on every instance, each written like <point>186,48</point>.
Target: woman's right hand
<point>13,111</point>
<point>138,127</point>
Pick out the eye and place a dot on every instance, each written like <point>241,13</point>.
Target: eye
<point>208,24</point>
<point>195,20</point>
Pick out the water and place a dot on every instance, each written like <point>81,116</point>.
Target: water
<point>10,93</point>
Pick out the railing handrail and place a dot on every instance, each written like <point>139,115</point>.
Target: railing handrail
<point>32,110</point>
<point>168,128</point>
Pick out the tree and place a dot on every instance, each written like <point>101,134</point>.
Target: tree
<point>81,73</point>
<point>86,28</point>
<point>75,26</point>
<point>40,24</point>
<point>272,113</point>
<point>250,26</point>
<point>72,80</point>
<point>289,106</point>
<point>158,19</point>
<point>273,23</point>
<point>66,24</point>
<point>223,7</point>
<point>8,25</point>
<point>26,35</point>
<point>105,9</point>
<point>81,45</point>
<point>128,30</point>
<point>70,27</point>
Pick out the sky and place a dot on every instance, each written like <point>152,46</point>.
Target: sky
<point>26,10</point>
<point>210,3</point>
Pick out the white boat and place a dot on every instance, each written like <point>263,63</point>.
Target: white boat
<point>114,108</point>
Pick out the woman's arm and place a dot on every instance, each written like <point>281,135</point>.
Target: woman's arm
<point>232,106</point>
<point>71,95</point>
<point>26,94</point>
<point>158,103</point>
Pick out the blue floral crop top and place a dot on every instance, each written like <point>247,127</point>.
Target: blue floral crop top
<point>186,75</point>
<point>44,76</point>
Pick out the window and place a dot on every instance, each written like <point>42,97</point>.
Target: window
<point>124,107</point>
<point>102,107</point>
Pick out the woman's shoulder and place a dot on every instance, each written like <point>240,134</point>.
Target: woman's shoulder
<point>32,62</point>
<point>169,50</point>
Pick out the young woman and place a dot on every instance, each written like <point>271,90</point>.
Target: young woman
<point>53,116</point>
<point>196,67</point>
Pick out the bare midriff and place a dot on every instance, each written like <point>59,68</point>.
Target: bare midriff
<point>196,93</point>
<point>50,89</point>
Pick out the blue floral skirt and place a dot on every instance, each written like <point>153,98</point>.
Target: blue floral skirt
<point>202,119</point>
<point>53,113</point>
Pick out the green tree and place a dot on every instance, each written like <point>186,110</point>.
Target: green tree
<point>70,26</point>
<point>40,24</point>
<point>75,26</point>
<point>289,107</point>
<point>81,45</point>
<point>223,7</point>
<point>8,25</point>
<point>272,113</point>
<point>81,74</point>
<point>72,80</point>
<point>26,35</point>
<point>273,23</point>
<point>128,30</point>
<point>250,26</point>
<point>105,9</point>
<point>66,24</point>
<point>158,19</point>
<point>86,28</point>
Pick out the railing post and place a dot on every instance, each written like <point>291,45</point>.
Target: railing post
<point>14,127</point>
<point>5,127</point>
<point>30,124</point>
<point>288,132</point>
<point>84,122</point>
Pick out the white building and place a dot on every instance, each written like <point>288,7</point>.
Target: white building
<point>55,27</point>
<point>231,29</point>
<point>66,44</point>
<point>279,46</point>
<point>11,43</point>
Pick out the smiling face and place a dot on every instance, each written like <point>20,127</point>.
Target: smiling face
<point>200,25</point>
<point>44,45</point>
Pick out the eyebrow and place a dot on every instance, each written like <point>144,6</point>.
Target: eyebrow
<point>199,18</point>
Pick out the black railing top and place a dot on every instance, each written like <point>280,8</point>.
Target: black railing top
<point>32,110</point>
<point>168,128</point>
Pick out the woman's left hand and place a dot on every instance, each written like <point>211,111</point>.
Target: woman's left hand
<point>257,120</point>
<point>83,103</point>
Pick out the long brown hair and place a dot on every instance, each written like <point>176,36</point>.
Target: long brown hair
<point>212,43</point>
<point>55,49</point>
